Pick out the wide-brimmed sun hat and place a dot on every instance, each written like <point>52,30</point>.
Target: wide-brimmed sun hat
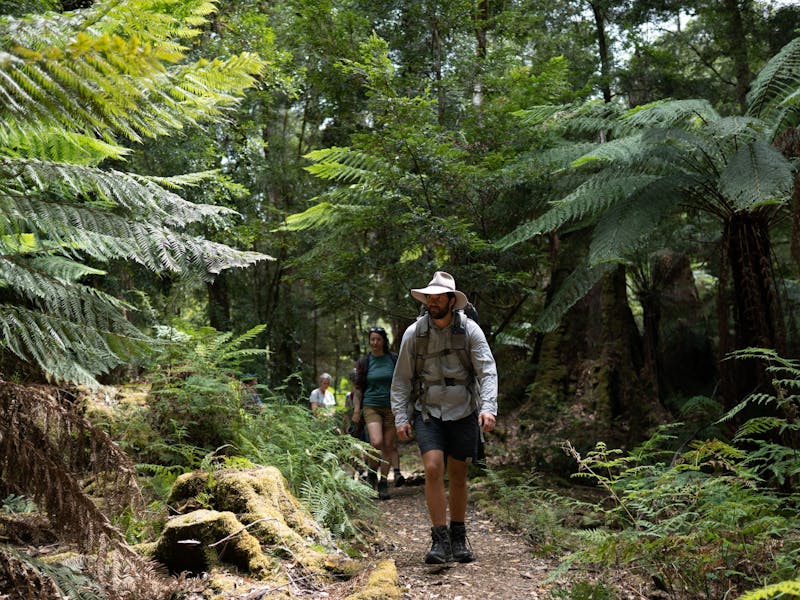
<point>441,283</point>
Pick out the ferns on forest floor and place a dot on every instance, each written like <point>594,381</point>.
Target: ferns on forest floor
<point>197,419</point>
<point>713,517</point>
<point>701,517</point>
<point>317,461</point>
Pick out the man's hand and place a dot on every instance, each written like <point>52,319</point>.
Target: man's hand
<point>486,421</point>
<point>404,432</point>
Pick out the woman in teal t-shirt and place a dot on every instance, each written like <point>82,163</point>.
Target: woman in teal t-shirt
<point>373,387</point>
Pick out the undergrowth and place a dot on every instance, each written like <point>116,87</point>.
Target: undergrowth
<point>199,415</point>
<point>698,513</point>
<point>710,518</point>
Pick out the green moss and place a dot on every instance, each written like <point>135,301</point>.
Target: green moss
<point>382,584</point>
<point>193,543</point>
<point>188,486</point>
<point>275,519</point>
<point>146,548</point>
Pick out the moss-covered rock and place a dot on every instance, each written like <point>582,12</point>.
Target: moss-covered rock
<point>204,539</point>
<point>382,584</point>
<point>261,500</point>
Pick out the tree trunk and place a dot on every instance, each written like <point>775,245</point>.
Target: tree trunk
<point>738,44</point>
<point>436,49</point>
<point>219,303</point>
<point>588,384</point>
<point>603,50</point>
<point>678,354</point>
<point>481,21</point>
<point>757,318</point>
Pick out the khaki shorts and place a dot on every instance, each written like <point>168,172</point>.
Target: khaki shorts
<point>379,414</point>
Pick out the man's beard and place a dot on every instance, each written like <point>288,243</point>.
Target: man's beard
<point>438,313</point>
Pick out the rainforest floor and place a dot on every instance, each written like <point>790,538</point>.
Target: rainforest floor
<point>506,566</point>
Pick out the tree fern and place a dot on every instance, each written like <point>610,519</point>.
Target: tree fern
<point>116,69</point>
<point>74,88</point>
<point>778,80</point>
<point>661,158</point>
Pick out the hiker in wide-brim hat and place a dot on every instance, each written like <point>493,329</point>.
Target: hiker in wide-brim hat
<point>442,283</point>
<point>444,389</point>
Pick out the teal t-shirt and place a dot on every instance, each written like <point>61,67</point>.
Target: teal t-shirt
<point>379,381</point>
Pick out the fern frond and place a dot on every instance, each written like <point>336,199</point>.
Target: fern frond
<point>93,72</point>
<point>539,115</point>
<point>735,130</point>
<point>630,220</point>
<point>33,140</point>
<point>619,150</point>
<point>590,198</point>
<point>757,426</point>
<point>346,166</point>
<point>575,287</point>
<point>67,350</point>
<point>592,119</point>
<point>758,174</point>
<point>50,444</point>
<point>667,114</point>
<point>228,349</point>
<point>764,399</point>
<point>776,80</point>
<point>318,215</point>
<point>24,575</point>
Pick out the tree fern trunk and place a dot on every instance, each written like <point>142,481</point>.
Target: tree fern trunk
<point>588,384</point>
<point>756,314</point>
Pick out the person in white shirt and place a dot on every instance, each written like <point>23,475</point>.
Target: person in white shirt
<point>322,399</point>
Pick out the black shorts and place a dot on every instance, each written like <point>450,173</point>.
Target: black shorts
<point>459,439</point>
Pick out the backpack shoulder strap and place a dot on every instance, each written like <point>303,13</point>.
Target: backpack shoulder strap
<point>362,366</point>
<point>422,334</point>
<point>459,339</point>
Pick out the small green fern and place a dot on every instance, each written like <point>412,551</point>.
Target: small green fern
<point>776,591</point>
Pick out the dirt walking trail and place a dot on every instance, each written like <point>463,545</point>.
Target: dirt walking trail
<point>506,566</point>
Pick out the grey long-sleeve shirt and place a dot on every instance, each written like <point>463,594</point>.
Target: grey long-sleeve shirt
<point>448,403</point>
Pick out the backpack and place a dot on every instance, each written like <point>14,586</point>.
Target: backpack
<point>459,338</point>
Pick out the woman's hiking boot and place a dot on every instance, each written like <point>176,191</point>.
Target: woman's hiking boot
<point>462,551</point>
<point>399,480</point>
<point>383,489</point>
<point>372,480</point>
<point>440,552</point>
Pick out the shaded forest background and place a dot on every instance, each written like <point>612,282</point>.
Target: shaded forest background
<point>198,194</point>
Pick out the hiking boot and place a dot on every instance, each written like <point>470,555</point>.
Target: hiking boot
<point>383,489</point>
<point>399,480</point>
<point>372,480</point>
<point>440,548</point>
<point>461,548</point>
